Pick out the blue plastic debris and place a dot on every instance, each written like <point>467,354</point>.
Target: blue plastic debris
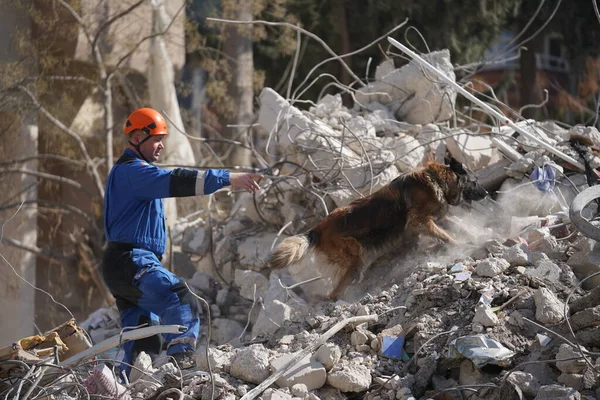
<point>392,346</point>
<point>544,179</point>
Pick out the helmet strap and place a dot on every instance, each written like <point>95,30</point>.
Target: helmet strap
<point>138,147</point>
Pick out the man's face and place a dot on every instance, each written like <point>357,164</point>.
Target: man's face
<point>151,148</point>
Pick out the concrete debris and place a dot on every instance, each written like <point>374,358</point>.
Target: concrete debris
<point>446,315</point>
<point>308,372</point>
<point>350,378</point>
<point>548,309</point>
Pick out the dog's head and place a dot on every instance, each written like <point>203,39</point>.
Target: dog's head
<point>468,188</point>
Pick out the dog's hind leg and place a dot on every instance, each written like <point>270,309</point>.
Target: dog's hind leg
<point>342,284</point>
<point>349,258</point>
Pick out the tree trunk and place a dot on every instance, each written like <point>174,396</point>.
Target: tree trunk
<point>341,25</point>
<point>163,98</point>
<point>238,45</point>
<point>529,89</point>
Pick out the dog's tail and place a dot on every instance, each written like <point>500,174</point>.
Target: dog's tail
<point>289,251</point>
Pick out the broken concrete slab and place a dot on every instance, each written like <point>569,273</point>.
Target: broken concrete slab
<point>349,378</point>
<point>528,384</point>
<point>307,371</point>
<point>475,151</point>
<point>412,96</point>
<point>571,364</point>
<point>254,251</point>
<point>585,261</point>
<point>491,267</point>
<point>252,284</point>
<point>251,364</point>
<point>548,309</point>
<point>328,355</point>
<point>555,392</point>
<point>226,330</point>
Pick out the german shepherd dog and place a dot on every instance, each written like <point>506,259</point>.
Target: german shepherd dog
<point>350,238</point>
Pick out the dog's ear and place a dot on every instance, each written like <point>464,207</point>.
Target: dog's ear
<point>455,165</point>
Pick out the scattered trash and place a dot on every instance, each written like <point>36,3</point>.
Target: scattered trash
<point>103,382</point>
<point>481,350</point>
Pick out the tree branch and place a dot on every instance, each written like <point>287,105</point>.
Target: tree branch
<point>150,37</point>
<point>42,156</point>
<point>55,204</point>
<point>113,19</point>
<point>74,135</point>
<point>44,175</point>
<point>307,33</point>
<point>47,255</point>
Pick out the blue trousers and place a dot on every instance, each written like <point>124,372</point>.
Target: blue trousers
<point>146,293</point>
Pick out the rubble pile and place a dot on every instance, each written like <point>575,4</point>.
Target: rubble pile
<point>511,312</point>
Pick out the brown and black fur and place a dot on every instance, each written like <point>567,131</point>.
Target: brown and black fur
<point>350,238</point>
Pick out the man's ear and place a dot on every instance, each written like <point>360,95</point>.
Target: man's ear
<point>134,137</point>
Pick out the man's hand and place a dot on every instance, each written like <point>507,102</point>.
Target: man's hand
<point>245,180</point>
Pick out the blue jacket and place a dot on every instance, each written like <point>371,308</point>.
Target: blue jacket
<point>133,209</point>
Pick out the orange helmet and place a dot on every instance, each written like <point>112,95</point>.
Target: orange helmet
<point>148,120</point>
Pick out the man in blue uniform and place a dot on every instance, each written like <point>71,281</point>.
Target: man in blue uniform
<point>135,228</point>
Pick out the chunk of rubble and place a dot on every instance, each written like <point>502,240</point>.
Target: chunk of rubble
<point>220,360</point>
<point>528,384</point>
<point>571,364</point>
<point>585,261</point>
<point>349,378</point>
<point>253,285</point>
<point>556,392</point>
<point>328,355</point>
<point>411,95</point>
<point>475,151</point>
<point>251,364</point>
<point>516,255</point>
<point>485,316</point>
<point>491,267</point>
<point>548,309</point>
<point>308,371</point>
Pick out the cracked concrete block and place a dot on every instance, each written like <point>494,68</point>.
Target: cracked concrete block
<point>528,384</point>
<point>196,240</point>
<point>516,255</point>
<point>350,378</point>
<point>585,261</point>
<point>219,360</point>
<point>575,366</point>
<point>358,338</point>
<point>574,381</point>
<point>328,354</point>
<point>274,394</point>
<point>413,96</point>
<point>485,316</point>
<point>254,251</point>
<point>307,371</point>
<point>548,309</point>
<point>251,364</point>
<point>586,318</point>
<point>225,330</point>
<point>557,392</point>
<point>546,270</point>
<point>475,151</point>
<point>491,267</point>
<point>247,281</point>
<point>407,152</point>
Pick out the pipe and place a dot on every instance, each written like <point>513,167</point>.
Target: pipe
<point>114,341</point>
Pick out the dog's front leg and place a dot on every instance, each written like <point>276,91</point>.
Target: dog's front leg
<point>430,228</point>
